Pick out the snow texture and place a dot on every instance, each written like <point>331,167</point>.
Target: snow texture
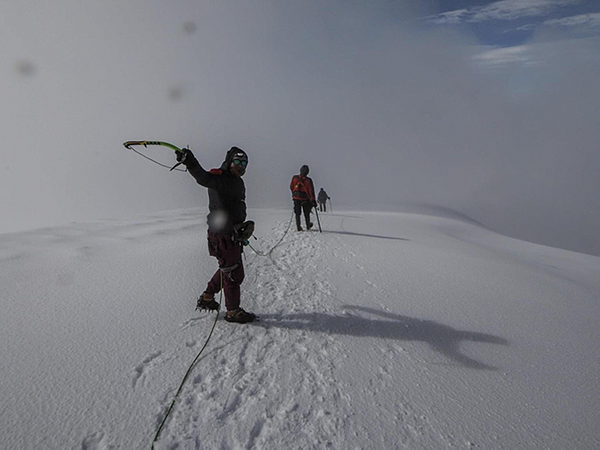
<point>387,330</point>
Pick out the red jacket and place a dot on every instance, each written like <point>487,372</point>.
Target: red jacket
<point>302,188</point>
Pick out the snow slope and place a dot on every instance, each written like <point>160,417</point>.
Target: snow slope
<point>387,330</point>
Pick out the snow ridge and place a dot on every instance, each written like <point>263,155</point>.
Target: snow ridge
<point>387,330</point>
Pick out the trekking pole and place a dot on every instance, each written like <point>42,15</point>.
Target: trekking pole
<point>318,221</point>
<point>330,205</point>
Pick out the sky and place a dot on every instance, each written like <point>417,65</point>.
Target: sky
<point>488,108</point>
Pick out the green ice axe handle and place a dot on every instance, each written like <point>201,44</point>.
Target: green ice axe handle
<point>128,144</point>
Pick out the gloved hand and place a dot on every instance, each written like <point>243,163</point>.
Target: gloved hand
<point>314,203</point>
<point>243,231</point>
<point>185,155</point>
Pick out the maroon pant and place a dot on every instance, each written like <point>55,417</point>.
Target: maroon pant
<point>231,269</point>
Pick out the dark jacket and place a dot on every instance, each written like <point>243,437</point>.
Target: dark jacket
<point>226,194</point>
<point>322,197</point>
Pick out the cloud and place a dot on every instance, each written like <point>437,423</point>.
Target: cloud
<point>546,51</point>
<point>516,9</point>
<point>526,27</point>
<point>382,111</point>
<point>582,21</point>
<point>451,17</point>
<point>496,57</point>
<point>503,10</point>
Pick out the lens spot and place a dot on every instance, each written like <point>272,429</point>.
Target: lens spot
<point>25,68</point>
<point>190,27</point>
<point>175,93</point>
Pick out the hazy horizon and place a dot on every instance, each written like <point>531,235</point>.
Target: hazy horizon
<point>389,104</point>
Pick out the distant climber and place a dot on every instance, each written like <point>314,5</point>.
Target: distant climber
<point>322,198</point>
<point>303,195</point>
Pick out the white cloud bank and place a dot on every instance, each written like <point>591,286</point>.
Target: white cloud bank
<point>383,112</point>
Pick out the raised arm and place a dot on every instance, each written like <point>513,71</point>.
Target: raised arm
<point>202,177</point>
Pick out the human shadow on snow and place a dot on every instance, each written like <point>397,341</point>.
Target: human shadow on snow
<point>441,338</point>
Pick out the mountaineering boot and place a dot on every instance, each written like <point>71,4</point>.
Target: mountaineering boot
<point>207,302</point>
<point>309,226</point>
<point>299,228</point>
<point>240,316</point>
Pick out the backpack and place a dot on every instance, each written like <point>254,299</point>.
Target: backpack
<point>299,189</point>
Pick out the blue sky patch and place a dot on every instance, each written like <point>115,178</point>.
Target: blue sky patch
<point>508,23</point>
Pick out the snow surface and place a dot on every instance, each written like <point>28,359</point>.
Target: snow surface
<point>387,330</point>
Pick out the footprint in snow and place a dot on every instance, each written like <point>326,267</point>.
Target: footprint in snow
<point>141,369</point>
<point>96,441</point>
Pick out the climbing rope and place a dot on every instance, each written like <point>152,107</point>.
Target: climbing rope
<point>278,242</point>
<point>191,367</point>
<point>211,332</point>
